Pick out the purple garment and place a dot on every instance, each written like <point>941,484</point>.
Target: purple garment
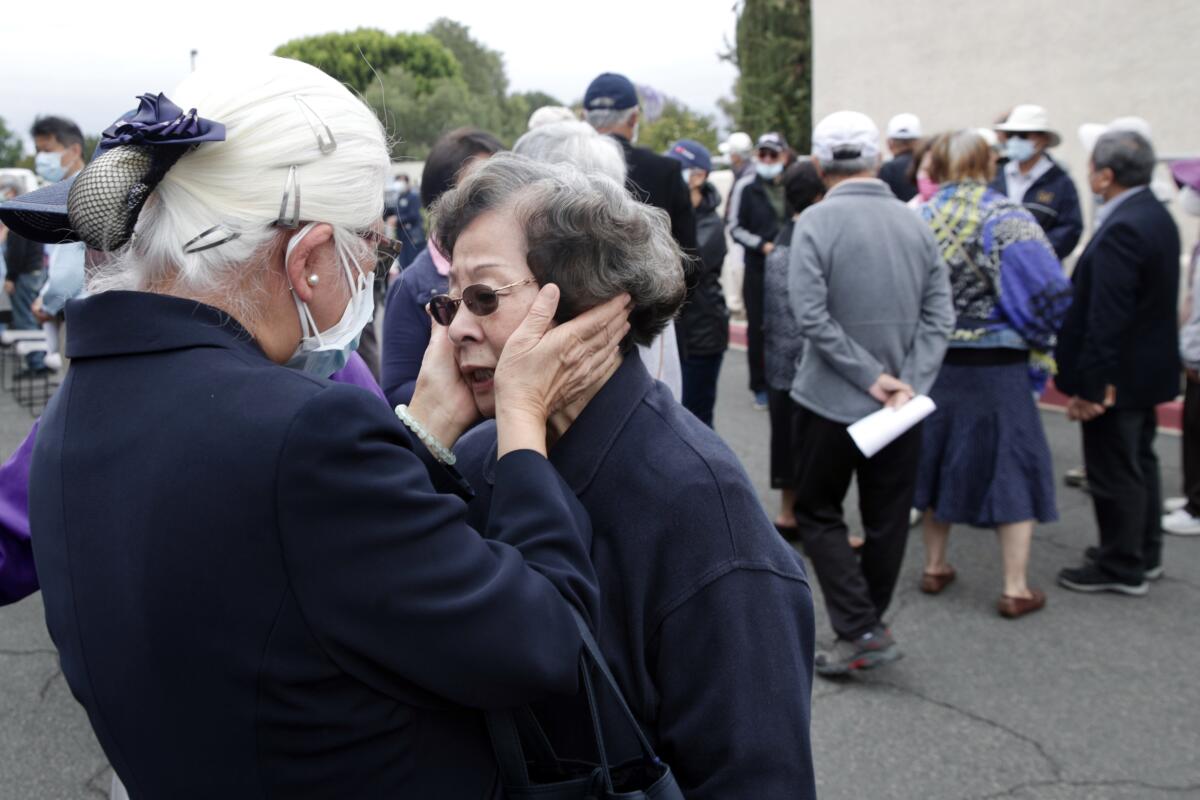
<point>17,576</point>
<point>357,373</point>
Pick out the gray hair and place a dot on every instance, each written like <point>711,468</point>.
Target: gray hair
<point>583,232</point>
<point>847,167</point>
<point>575,143</point>
<point>604,119</point>
<point>1128,154</point>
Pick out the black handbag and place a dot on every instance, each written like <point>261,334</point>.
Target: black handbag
<point>542,775</point>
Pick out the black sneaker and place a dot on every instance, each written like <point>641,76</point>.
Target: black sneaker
<point>1091,579</point>
<point>1092,556</point>
<point>866,652</point>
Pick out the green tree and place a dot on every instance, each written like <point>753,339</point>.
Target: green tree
<point>416,112</point>
<point>677,121</point>
<point>482,67</point>
<point>355,57</point>
<point>773,54</point>
<point>12,151</point>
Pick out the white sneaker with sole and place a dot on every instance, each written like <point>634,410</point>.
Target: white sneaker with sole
<point>1181,523</point>
<point>1174,504</point>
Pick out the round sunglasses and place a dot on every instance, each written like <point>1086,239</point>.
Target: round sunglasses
<point>479,299</point>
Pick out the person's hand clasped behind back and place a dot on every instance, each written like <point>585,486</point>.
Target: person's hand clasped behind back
<point>543,367</point>
<point>890,391</point>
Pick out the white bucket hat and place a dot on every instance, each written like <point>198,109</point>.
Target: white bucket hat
<point>1029,119</point>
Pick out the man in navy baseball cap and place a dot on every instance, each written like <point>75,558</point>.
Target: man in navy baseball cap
<point>610,105</point>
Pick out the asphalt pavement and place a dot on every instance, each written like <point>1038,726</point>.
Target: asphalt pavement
<point>1094,697</point>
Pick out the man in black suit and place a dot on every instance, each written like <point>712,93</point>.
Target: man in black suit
<point>610,106</point>
<point>1118,358</point>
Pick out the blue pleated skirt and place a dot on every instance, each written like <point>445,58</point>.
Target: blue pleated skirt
<point>984,456</point>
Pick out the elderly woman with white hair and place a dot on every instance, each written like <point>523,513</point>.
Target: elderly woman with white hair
<point>578,144</point>
<point>262,583</point>
<point>706,614</point>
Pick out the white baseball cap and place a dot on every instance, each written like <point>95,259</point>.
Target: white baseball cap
<point>845,135</point>
<point>1029,119</point>
<point>738,142</point>
<point>1090,132</point>
<point>904,126</point>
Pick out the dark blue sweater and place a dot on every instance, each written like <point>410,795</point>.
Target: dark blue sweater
<point>706,614</point>
<point>406,326</point>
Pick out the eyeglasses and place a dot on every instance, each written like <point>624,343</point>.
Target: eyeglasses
<point>480,300</point>
<point>386,249</point>
<point>768,155</point>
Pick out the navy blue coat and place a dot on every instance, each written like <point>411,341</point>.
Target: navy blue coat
<point>1054,203</point>
<point>258,588</point>
<point>707,617</point>
<point>410,227</point>
<point>1121,326</point>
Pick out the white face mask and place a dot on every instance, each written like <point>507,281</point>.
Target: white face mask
<point>325,352</point>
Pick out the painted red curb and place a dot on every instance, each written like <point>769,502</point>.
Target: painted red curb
<point>1170,415</point>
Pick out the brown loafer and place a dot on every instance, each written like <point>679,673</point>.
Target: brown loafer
<point>932,583</point>
<point>1013,607</point>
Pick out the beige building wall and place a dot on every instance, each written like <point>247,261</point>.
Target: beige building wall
<point>961,63</point>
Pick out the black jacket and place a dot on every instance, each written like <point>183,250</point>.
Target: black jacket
<point>1054,203</point>
<point>895,174</point>
<point>658,181</point>
<point>261,587</point>
<point>1121,328</point>
<point>22,256</point>
<point>757,223</point>
<point>703,325</point>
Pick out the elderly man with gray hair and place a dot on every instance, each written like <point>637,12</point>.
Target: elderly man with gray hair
<point>1118,358</point>
<point>871,295</point>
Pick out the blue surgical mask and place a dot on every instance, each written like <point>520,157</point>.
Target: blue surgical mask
<point>687,177</point>
<point>49,166</point>
<point>1019,150</point>
<point>768,171</point>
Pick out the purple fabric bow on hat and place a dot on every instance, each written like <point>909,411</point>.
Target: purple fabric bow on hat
<point>158,121</point>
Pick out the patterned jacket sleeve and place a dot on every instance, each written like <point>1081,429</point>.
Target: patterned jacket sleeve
<point>1034,295</point>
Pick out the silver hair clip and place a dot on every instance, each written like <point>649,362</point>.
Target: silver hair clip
<point>204,241</point>
<point>325,141</point>
<point>291,192</point>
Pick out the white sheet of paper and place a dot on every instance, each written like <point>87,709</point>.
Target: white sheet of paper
<point>876,431</point>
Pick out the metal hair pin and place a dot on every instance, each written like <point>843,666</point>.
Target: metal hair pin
<point>291,192</point>
<point>205,241</point>
<point>325,141</point>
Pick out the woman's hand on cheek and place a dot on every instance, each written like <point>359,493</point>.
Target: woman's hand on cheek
<point>442,400</point>
<point>543,367</point>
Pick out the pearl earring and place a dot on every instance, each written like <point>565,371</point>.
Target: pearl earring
<point>314,279</point>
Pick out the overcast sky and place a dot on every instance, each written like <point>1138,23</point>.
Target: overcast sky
<point>88,63</point>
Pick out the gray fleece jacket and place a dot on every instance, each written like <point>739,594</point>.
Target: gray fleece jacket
<point>871,294</point>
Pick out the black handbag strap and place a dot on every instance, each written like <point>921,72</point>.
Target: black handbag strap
<point>505,729</point>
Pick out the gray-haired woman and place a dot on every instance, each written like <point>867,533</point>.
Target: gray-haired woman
<point>579,145</point>
<point>707,614</point>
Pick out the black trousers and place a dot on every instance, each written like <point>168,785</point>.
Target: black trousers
<point>857,588</point>
<point>782,412</point>
<point>1123,478</point>
<point>752,296</point>
<point>1191,447</point>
